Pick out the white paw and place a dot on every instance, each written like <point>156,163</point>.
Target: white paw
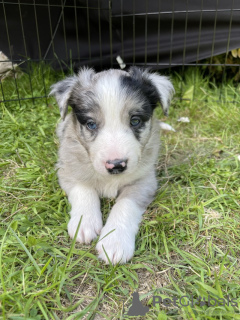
<point>89,229</point>
<point>119,245</point>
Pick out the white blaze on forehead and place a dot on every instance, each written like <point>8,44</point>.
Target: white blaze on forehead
<point>111,96</point>
<point>115,139</point>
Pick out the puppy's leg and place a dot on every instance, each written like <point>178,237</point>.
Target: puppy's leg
<point>85,202</point>
<point>124,219</point>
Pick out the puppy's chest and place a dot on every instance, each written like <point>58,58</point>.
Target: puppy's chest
<point>108,189</point>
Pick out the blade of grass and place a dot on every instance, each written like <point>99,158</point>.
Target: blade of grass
<point>27,252</point>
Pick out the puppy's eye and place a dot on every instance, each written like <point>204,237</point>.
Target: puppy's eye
<point>135,121</point>
<point>91,125</point>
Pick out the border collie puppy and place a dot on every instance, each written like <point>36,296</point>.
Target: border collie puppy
<point>108,148</point>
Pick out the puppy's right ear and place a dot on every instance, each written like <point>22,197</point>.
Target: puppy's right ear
<point>62,90</point>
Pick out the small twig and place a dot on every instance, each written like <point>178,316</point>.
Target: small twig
<point>163,271</point>
<point>214,187</point>
<point>13,214</point>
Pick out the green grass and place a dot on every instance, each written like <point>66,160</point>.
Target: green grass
<point>188,243</point>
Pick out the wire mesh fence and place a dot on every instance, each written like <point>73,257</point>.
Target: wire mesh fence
<point>69,34</point>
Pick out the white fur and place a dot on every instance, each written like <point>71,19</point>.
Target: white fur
<point>82,158</point>
<point>123,224</point>
<point>85,203</point>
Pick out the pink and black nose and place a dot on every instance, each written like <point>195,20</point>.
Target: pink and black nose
<point>116,166</point>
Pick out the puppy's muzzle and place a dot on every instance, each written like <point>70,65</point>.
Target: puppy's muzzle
<point>116,166</point>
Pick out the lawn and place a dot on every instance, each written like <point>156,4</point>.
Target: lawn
<point>189,239</point>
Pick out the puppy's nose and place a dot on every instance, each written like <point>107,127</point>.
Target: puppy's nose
<point>116,166</point>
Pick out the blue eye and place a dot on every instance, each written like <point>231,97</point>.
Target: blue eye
<point>91,125</point>
<point>135,121</point>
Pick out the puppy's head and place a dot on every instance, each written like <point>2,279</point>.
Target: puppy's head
<point>113,111</point>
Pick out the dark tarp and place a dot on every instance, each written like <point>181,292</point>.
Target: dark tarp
<point>156,33</point>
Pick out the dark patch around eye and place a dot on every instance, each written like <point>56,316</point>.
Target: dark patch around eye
<point>83,103</point>
<point>143,113</point>
<point>83,118</point>
<point>147,96</point>
<point>81,115</point>
<point>137,130</point>
<point>84,106</point>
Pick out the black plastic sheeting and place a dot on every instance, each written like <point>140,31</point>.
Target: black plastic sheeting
<point>147,33</point>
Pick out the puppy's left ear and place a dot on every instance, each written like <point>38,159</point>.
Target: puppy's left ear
<point>164,89</point>
<point>162,85</point>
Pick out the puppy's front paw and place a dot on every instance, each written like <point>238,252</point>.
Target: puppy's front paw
<point>89,229</point>
<point>119,245</point>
